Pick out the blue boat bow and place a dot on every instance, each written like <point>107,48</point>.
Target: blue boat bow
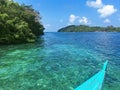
<point>95,82</point>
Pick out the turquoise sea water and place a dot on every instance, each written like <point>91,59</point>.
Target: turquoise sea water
<point>60,61</point>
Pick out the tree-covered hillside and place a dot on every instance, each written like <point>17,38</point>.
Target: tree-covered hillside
<point>84,28</point>
<point>18,23</point>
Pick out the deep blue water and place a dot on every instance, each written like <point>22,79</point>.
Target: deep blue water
<point>60,61</point>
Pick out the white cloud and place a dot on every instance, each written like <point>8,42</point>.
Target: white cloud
<point>103,10</point>
<point>84,20</point>
<point>106,10</point>
<point>95,4</point>
<point>72,18</point>
<point>78,20</point>
<point>47,26</point>
<point>107,21</point>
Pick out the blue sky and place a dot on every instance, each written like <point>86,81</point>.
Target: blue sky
<point>60,13</point>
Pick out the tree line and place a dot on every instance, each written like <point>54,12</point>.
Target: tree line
<point>85,28</point>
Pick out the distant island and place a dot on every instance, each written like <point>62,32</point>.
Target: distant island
<point>18,23</point>
<point>85,28</point>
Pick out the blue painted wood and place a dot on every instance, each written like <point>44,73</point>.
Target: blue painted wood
<point>95,82</point>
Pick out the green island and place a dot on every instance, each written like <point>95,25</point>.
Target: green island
<point>18,23</point>
<point>85,28</point>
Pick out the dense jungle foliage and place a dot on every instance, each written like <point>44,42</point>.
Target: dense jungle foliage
<point>18,23</point>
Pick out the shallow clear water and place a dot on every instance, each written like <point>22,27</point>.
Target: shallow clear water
<point>60,61</point>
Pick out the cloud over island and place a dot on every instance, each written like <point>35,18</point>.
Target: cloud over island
<point>81,20</point>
